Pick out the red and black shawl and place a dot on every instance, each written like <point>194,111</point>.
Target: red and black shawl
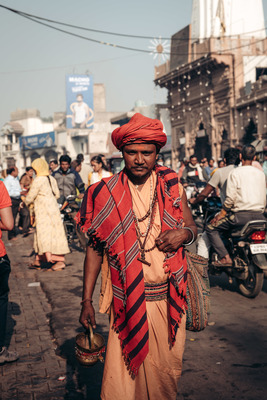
<point>106,215</point>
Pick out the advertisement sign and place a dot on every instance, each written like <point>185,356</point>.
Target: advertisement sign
<point>80,101</point>
<point>37,141</point>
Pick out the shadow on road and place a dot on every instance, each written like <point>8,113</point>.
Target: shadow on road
<point>82,382</point>
<point>13,309</point>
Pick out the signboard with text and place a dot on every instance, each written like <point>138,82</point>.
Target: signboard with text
<point>37,141</point>
<point>80,101</point>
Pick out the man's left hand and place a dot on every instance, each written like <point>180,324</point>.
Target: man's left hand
<point>80,196</point>
<point>218,217</point>
<point>171,240</point>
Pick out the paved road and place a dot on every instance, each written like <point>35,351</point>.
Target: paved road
<point>228,360</point>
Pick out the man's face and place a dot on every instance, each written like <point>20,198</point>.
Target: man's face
<point>15,172</point>
<point>79,99</point>
<point>139,159</point>
<point>193,160</point>
<point>52,165</point>
<point>30,173</point>
<point>64,165</point>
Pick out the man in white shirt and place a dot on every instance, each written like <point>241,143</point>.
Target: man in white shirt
<point>218,179</point>
<point>81,113</point>
<point>245,201</point>
<point>14,190</point>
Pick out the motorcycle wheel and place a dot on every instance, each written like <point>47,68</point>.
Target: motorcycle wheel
<point>252,286</point>
<point>70,230</point>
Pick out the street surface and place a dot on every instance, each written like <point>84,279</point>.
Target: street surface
<point>228,360</point>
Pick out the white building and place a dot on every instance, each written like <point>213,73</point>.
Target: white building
<point>27,136</point>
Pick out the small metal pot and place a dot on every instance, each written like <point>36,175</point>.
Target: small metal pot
<point>89,347</point>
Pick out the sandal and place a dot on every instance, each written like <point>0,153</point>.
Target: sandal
<point>58,266</point>
<point>34,266</point>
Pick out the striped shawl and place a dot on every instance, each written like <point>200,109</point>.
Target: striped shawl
<point>106,215</point>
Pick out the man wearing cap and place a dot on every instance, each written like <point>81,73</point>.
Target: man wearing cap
<point>139,219</point>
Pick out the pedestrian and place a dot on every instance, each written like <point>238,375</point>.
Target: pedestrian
<point>85,169</point>
<point>6,223</point>
<point>192,174</point>
<point>182,165</point>
<point>68,180</point>
<point>221,163</point>
<point>76,165</point>
<point>210,167</point>
<point>53,165</point>
<point>100,170</point>
<point>140,219</point>
<point>27,178</point>
<point>104,160</point>
<point>14,190</point>
<point>50,243</point>
<point>26,213</point>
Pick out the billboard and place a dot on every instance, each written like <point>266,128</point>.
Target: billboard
<point>37,141</point>
<point>80,101</point>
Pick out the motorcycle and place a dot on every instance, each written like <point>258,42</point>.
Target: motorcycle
<point>192,190</point>
<point>247,248</point>
<point>68,209</point>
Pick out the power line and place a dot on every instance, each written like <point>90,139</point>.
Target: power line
<point>24,14</point>
<point>64,66</point>
<point>31,18</point>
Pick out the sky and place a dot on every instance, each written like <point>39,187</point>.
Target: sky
<point>35,59</point>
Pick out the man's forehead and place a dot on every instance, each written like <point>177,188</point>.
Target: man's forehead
<point>140,146</point>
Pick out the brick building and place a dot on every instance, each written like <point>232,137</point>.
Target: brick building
<point>217,87</point>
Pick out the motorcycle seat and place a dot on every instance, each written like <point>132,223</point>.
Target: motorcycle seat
<point>249,227</point>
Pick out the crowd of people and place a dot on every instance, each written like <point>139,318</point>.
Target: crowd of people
<point>35,197</point>
<point>138,223</point>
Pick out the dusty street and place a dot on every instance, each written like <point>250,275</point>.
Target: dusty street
<point>228,360</point>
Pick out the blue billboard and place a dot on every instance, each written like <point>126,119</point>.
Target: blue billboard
<point>37,141</point>
<point>80,101</point>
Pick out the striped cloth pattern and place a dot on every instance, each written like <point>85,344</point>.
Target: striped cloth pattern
<point>157,291</point>
<point>106,215</point>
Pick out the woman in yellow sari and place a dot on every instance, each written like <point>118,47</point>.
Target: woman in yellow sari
<point>50,243</point>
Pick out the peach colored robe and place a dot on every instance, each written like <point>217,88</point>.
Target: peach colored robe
<point>159,374</point>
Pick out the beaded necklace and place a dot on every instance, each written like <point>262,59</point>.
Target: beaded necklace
<point>150,214</point>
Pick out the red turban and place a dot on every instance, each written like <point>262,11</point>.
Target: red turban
<point>139,129</point>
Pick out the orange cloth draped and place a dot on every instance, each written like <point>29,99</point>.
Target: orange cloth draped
<point>139,129</point>
<point>159,373</point>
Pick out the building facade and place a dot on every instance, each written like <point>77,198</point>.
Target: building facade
<point>216,85</point>
<point>27,136</point>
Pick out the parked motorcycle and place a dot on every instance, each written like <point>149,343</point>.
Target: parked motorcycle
<point>68,209</point>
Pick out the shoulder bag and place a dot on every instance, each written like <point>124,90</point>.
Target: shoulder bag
<point>198,292</point>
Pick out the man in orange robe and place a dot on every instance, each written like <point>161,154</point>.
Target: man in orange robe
<point>141,220</point>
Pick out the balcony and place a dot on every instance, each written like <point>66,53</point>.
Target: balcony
<point>10,148</point>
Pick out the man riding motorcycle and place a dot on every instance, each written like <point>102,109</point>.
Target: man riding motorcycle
<point>68,179</point>
<point>192,174</point>
<point>245,201</point>
<point>218,179</point>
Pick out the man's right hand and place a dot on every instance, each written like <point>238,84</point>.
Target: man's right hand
<point>87,315</point>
